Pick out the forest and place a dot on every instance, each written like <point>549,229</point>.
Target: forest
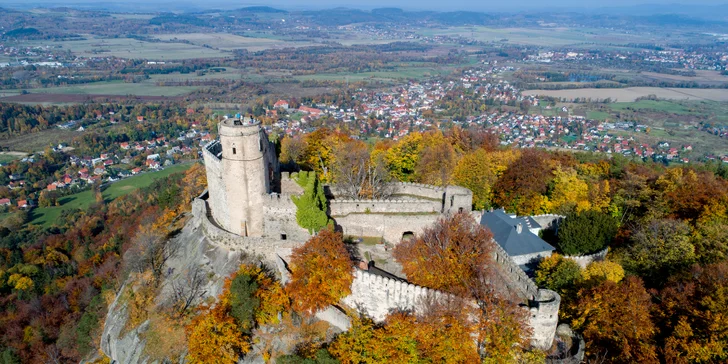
<point>659,297</point>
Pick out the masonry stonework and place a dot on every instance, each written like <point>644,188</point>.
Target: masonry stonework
<point>249,207</point>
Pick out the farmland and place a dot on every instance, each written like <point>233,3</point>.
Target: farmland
<point>633,93</point>
<point>46,216</point>
<point>93,46</point>
<point>229,42</point>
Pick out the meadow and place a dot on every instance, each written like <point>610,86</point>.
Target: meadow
<point>93,46</point>
<point>229,42</point>
<point>632,93</point>
<point>46,216</point>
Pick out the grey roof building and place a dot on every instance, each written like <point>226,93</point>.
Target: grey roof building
<point>517,236</point>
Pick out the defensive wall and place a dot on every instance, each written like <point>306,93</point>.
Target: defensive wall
<point>264,247</point>
<point>378,296</point>
<point>412,208</point>
<point>516,277</point>
<point>584,260</point>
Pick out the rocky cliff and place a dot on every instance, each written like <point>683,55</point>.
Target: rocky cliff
<point>192,252</point>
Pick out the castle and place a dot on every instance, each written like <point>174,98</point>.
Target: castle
<point>248,206</point>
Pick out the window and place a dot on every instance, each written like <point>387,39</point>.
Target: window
<point>260,145</point>
<point>233,150</point>
<point>283,237</point>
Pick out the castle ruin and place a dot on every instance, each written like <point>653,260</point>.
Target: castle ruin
<point>248,206</point>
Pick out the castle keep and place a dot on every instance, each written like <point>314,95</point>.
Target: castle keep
<point>241,167</point>
<point>248,206</point>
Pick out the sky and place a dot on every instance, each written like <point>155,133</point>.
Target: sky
<point>439,5</point>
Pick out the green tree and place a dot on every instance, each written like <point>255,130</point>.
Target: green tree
<point>557,273</point>
<point>586,232</point>
<point>311,206</point>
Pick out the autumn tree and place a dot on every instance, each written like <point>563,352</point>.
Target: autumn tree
<point>557,273</point>
<point>436,161</point>
<point>359,175</point>
<point>321,272</point>
<point>478,171</point>
<point>402,158</point>
<point>615,321</point>
<point>600,271</point>
<point>659,249</point>
<point>450,256</point>
<point>215,335</point>
<point>693,316</point>
<point>523,186</point>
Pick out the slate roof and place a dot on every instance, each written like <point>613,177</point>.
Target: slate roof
<point>505,233</point>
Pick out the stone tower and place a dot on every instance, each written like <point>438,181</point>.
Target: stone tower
<point>241,168</point>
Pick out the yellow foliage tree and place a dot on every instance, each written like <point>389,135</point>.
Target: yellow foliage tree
<point>402,158</point>
<point>603,271</point>
<point>569,192</point>
<point>479,170</point>
<point>214,336</point>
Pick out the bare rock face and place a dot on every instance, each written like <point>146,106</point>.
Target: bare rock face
<point>192,253</point>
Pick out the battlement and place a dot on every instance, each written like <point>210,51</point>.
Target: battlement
<point>377,296</point>
<point>346,207</point>
<point>517,278</point>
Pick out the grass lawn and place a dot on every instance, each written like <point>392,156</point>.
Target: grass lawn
<point>46,216</point>
<point>598,115</point>
<point>660,106</point>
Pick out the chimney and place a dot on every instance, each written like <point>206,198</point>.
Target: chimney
<point>519,228</point>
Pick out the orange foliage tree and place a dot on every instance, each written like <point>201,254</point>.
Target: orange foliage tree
<point>321,272</point>
<point>215,335</point>
<point>615,321</point>
<point>450,256</point>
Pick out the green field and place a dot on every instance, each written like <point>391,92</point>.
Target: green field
<point>653,105</point>
<point>146,88</point>
<point>46,216</point>
<point>546,36</point>
<point>598,115</point>
<point>402,73</point>
<point>93,46</point>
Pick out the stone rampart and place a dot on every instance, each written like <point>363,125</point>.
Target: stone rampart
<point>517,278</point>
<point>419,189</point>
<point>390,227</point>
<point>547,220</point>
<point>544,318</point>
<point>394,206</point>
<point>264,247</point>
<point>584,260</point>
<point>377,296</point>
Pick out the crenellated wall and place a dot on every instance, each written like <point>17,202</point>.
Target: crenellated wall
<point>524,286</point>
<point>584,260</point>
<point>544,318</point>
<point>339,208</point>
<point>377,296</point>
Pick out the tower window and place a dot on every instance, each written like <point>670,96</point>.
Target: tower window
<point>260,145</point>
<point>233,150</point>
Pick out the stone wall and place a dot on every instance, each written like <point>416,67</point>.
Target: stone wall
<point>420,189</point>
<point>530,258</point>
<point>544,318</point>
<point>341,208</point>
<point>517,278</point>
<point>377,296</point>
<point>386,226</point>
<point>584,260</point>
<point>280,218</point>
<point>264,247</point>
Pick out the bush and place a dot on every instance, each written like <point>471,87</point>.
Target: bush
<point>586,232</point>
<point>311,206</point>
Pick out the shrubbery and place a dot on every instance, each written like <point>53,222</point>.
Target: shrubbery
<point>311,206</point>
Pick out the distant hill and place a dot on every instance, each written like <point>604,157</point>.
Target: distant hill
<point>178,19</point>
<point>261,9</point>
<point>463,17</point>
<point>23,33</point>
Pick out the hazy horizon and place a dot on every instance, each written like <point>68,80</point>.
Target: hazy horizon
<point>435,5</point>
